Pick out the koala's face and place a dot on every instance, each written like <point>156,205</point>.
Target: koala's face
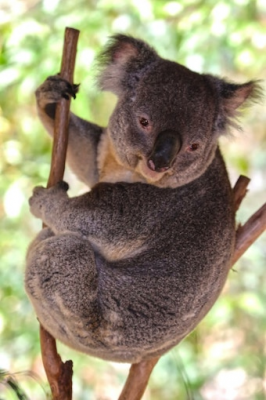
<point>164,128</point>
<point>168,118</point>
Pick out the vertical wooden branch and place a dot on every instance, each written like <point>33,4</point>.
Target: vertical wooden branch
<point>59,374</point>
<point>138,379</point>
<point>62,109</point>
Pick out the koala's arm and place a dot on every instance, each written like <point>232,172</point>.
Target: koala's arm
<point>84,136</point>
<point>114,221</point>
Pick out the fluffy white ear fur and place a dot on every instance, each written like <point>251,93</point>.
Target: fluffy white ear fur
<point>121,62</point>
<point>232,97</point>
<point>241,96</point>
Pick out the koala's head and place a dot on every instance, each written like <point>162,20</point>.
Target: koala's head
<point>168,119</point>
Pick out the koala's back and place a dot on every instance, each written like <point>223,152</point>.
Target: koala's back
<point>136,306</point>
<point>155,298</point>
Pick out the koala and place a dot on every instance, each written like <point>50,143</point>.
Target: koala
<point>125,271</point>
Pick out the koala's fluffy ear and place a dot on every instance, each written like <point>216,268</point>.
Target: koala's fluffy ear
<point>122,63</point>
<point>233,97</point>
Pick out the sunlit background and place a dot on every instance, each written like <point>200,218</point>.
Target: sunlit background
<point>225,358</point>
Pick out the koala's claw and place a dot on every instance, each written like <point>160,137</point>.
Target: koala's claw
<point>67,89</point>
<point>36,193</point>
<point>35,201</point>
<point>52,91</point>
<point>37,190</point>
<point>62,185</point>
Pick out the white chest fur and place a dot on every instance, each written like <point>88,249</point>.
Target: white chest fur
<point>109,167</point>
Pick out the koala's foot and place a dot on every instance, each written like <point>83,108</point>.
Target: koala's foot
<point>44,234</point>
<point>52,90</point>
<point>62,283</point>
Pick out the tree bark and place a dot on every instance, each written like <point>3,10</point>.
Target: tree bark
<point>240,190</point>
<point>59,374</point>
<point>249,232</point>
<point>137,380</point>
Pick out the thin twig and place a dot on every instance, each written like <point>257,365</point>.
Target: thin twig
<point>59,374</point>
<point>240,190</point>
<point>249,232</point>
<point>253,228</point>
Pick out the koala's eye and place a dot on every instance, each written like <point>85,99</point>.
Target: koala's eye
<point>144,122</point>
<point>193,147</point>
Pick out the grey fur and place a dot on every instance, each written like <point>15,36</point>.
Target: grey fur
<point>127,270</point>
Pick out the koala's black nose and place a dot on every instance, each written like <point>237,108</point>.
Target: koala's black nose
<point>164,151</point>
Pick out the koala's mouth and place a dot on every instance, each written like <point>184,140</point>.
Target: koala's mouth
<point>162,157</point>
<point>151,175</point>
<point>157,168</point>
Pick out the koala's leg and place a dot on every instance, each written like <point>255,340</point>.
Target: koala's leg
<point>62,284</point>
<point>42,235</point>
<point>84,136</point>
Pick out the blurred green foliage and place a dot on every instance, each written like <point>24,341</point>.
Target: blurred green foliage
<point>225,358</point>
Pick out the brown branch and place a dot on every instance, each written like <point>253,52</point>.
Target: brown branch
<point>249,232</point>
<point>253,228</point>
<point>62,109</point>
<point>240,190</point>
<point>137,380</point>
<point>59,374</point>
<point>139,374</point>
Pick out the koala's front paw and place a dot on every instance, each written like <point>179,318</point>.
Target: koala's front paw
<point>36,201</point>
<point>61,185</point>
<point>53,89</point>
<point>43,198</point>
